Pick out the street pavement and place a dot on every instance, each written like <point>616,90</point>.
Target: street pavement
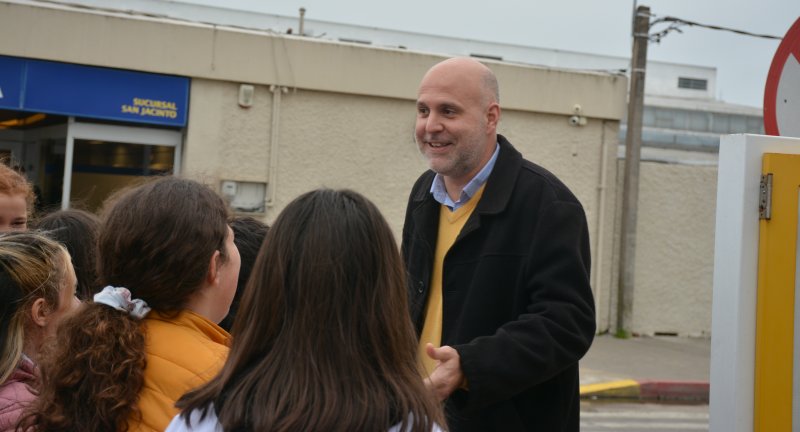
<point>622,416</point>
<point>660,368</point>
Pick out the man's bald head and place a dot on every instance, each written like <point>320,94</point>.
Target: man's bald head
<point>465,70</point>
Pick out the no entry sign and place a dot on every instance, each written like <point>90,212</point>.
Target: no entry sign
<point>782,93</point>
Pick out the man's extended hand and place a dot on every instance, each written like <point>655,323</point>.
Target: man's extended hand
<point>447,375</point>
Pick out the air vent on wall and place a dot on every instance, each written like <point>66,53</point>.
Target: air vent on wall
<point>692,83</point>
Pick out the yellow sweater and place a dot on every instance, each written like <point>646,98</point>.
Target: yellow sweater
<point>450,225</point>
<point>182,353</point>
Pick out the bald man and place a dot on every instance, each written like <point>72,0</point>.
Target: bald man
<point>497,250</point>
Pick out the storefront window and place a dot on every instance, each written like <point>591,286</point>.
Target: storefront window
<point>101,167</point>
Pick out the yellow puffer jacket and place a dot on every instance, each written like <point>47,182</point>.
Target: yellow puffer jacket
<point>182,353</point>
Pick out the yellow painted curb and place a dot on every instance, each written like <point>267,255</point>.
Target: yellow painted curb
<point>621,389</point>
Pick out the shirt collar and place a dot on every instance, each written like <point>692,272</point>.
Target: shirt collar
<point>439,191</point>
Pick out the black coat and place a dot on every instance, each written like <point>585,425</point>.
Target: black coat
<point>517,304</point>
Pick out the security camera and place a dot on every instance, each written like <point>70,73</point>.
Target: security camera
<point>577,120</point>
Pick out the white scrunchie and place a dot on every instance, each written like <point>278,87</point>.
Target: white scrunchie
<point>120,299</point>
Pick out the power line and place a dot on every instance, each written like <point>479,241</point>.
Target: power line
<point>676,23</point>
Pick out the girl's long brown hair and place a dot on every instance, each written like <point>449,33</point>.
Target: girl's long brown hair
<point>323,339</point>
<point>157,240</point>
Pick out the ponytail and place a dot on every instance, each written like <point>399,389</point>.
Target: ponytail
<point>92,377</point>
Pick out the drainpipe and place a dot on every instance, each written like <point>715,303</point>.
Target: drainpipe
<point>272,185</point>
<point>601,217</point>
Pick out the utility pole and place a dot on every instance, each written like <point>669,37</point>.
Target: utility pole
<point>630,188</point>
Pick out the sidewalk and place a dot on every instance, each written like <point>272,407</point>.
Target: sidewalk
<point>666,368</point>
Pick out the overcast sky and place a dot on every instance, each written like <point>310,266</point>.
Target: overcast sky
<point>594,26</point>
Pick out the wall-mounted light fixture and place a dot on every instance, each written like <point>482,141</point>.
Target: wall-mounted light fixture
<point>247,93</point>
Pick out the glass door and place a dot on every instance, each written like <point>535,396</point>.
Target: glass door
<point>101,159</point>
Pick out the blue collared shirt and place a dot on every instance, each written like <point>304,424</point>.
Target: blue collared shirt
<point>440,194</point>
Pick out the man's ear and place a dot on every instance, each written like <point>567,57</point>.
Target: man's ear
<point>40,312</point>
<point>493,117</point>
<point>212,277</point>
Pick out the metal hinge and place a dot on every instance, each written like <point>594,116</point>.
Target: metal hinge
<point>765,197</point>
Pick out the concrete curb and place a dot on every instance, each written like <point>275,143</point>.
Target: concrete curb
<point>648,390</point>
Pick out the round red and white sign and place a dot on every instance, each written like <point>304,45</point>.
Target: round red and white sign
<point>782,93</point>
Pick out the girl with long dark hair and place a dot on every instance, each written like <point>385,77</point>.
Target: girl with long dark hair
<point>323,339</point>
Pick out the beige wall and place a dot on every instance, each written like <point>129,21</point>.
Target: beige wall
<point>323,140</point>
<point>674,249</point>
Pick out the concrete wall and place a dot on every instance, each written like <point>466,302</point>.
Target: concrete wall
<point>674,249</point>
<point>323,140</point>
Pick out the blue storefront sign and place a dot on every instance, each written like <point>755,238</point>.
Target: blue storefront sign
<point>12,71</point>
<point>93,92</point>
